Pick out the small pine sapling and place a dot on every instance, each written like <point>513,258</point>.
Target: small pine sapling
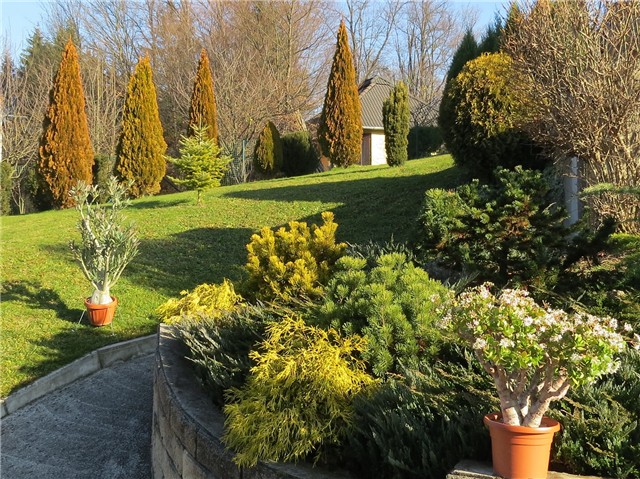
<point>201,164</point>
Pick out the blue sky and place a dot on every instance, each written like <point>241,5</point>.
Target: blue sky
<point>19,17</point>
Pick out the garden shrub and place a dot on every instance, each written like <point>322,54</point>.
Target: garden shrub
<point>422,428</point>
<point>299,157</point>
<point>394,306</point>
<point>103,170</point>
<point>371,251</point>
<point>219,345</point>
<point>206,300</point>
<point>267,157</point>
<point>6,185</point>
<point>424,141</point>
<point>489,112</point>
<point>600,432</point>
<point>297,399</point>
<point>506,233</point>
<point>292,263</point>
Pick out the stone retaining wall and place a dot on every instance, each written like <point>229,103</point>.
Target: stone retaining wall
<point>187,427</point>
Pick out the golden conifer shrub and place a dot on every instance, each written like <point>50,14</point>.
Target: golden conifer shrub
<point>65,153</point>
<point>298,398</point>
<point>203,111</point>
<point>141,147</point>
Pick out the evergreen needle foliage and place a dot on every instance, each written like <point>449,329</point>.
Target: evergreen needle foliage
<point>395,119</point>
<point>66,154</point>
<point>141,148</point>
<point>203,111</point>
<point>200,164</point>
<point>340,129</point>
<point>268,153</point>
<point>298,397</point>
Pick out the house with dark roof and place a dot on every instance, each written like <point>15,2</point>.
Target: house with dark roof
<point>373,92</point>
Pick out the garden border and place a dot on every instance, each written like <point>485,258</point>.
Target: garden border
<point>80,368</point>
<point>187,427</point>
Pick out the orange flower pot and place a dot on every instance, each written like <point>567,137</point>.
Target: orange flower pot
<point>101,314</point>
<point>520,452</point>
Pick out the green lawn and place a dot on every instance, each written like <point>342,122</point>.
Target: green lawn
<point>182,245</point>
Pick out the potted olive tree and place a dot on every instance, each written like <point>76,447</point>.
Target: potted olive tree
<point>534,354</point>
<point>107,244</point>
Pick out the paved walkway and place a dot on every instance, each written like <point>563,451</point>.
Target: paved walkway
<point>97,427</point>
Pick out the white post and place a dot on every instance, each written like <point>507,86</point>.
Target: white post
<point>571,191</point>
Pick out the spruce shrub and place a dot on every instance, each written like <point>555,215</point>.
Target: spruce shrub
<point>297,400</point>
<point>506,233</point>
<point>299,157</point>
<point>292,262</point>
<point>395,306</point>
<point>205,301</point>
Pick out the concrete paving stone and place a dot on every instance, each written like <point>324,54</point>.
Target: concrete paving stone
<point>97,427</point>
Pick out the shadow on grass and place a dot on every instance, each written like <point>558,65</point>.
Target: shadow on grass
<point>33,295</point>
<point>368,210</point>
<point>185,260</point>
<point>153,204</point>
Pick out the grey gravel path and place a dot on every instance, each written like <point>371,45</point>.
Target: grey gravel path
<point>98,427</point>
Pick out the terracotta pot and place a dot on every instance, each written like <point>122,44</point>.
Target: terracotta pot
<point>101,314</point>
<point>520,452</point>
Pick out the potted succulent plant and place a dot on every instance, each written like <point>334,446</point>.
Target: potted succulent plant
<point>534,355</point>
<point>107,244</point>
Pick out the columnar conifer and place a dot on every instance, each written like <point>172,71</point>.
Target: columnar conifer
<point>141,148</point>
<point>66,154</point>
<point>395,119</point>
<point>340,129</point>
<point>202,112</point>
<point>268,153</point>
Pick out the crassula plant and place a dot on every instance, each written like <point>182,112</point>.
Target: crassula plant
<point>534,354</point>
<point>107,244</point>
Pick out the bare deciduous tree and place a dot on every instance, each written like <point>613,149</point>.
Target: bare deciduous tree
<point>584,60</point>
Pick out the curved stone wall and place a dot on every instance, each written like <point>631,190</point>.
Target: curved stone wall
<point>187,427</point>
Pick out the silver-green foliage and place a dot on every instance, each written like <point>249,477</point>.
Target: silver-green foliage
<point>201,164</point>
<point>108,244</point>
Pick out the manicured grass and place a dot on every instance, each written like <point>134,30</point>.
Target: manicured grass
<point>182,245</point>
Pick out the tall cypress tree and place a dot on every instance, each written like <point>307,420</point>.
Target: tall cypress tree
<point>395,119</point>
<point>141,148</point>
<point>340,129</point>
<point>467,50</point>
<point>65,153</point>
<point>203,112</point>
<point>267,156</point>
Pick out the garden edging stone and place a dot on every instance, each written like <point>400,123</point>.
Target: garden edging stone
<point>78,369</point>
<point>477,470</point>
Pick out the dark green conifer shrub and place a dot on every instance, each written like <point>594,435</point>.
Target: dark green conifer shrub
<point>507,233</point>
<point>424,141</point>
<point>267,157</point>
<point>395,118</point>
<point>600,432</point>
<point>395,306</point>
<point>299,157</point>
<point>297,400</point>
<point>423,425</point>
<point>6,185</point>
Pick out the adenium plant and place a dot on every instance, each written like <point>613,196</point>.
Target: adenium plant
<point>533,354</point>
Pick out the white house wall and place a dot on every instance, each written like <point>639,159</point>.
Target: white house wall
<point>378,153</point>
